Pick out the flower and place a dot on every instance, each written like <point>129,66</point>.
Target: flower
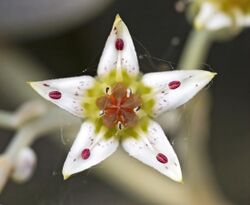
<point>219,14</point>
<point>119,104</point>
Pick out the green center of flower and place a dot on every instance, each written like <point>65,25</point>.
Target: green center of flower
<point>119,107</point>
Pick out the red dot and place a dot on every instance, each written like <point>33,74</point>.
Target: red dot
<point>55,95</point>
<point>119,44</point>
<point>85,153</point>
<point>174,84</point>
<point>161,158</point>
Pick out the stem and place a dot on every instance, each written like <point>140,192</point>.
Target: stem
<point>6,120</point>
<point>28,133</point>
<point>141,181</point>
<point>23,115</point>
<point>196,162</point>
<point>196,50</point>
<point>31,131</point>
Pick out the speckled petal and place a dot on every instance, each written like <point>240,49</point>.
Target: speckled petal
<point>67,93</point>
<point>174,88</point>
<point>154,149</point>
<point>88,150</point>
<point>119,51</point>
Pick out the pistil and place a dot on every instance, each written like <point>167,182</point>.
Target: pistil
<point>119,107</point>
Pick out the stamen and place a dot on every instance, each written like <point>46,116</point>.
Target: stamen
<point>101,113</point>
<point>137,108</point>
<point>119,125</point>
<point>107,90</point>
<point>129,92</point>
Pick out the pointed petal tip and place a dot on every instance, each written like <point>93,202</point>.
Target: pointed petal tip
<point>66,176</point>
<point>177,176</point>
<point>117,17</point>
<point>119,52</point>
<point>179,180</point>
<point>31,84</point>
<point>117,21</point>
<point>212,74</point>
<point>208,74</point>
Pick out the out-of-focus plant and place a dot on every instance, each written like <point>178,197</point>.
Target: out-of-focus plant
<point>24,165</point>
<point>220,14</point>
<point>29,18</point>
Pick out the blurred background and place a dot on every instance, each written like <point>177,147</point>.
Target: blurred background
<point>66,38</point>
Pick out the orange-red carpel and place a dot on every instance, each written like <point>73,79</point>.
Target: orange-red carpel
<point>119,107</point>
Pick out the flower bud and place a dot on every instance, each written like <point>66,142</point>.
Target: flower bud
<point>24,165</point>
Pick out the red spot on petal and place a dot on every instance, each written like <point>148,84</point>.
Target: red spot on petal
<point>55,95</point>
<point>174,84</point>
<point>162,158</point>
<point>85,153</point>
<point>119,44</point>
<point>46,85</point>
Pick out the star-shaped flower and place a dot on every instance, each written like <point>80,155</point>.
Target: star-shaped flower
<point>119,106</point>
<point>219,14</point>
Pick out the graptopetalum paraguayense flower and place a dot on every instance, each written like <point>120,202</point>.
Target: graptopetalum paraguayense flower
<point>119,104</point>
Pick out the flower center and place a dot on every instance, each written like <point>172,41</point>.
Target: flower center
<point>119,107</point>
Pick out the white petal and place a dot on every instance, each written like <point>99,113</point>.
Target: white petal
<point>247,20</point>
<point>242,19</point>
<point>67,93</point>
<point>219,21</point>
<point>167,97</point>
<point>152,144</point>
<point>96,149</point>
<point>113,58</point>
<point>211,18</point>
